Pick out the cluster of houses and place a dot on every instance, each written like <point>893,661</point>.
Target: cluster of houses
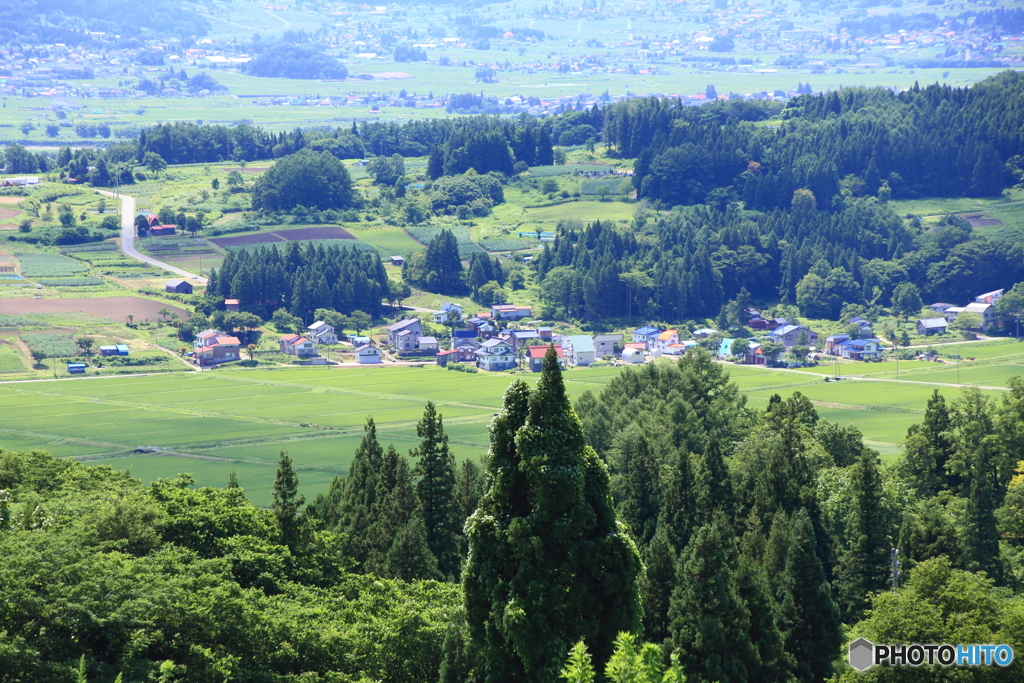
<point>479,340</point>
<point>983,306</point>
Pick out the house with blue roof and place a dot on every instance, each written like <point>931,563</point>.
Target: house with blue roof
<point>579,349</point>
<point>859,349</point>
<point>930,326</point>
<point>448,313</point>
<point>787,335</point>
<point>646,336</point>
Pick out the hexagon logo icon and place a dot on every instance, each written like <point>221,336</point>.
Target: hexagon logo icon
<point>862,654</point>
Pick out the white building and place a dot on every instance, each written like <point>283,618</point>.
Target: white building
<point>322,333</point>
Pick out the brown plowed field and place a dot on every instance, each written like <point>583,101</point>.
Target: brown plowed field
<point>113,308</point>
<point>9,213</point>
<point>320,232</point>
<point>242,240</point>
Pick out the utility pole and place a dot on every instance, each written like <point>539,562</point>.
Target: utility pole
<point>894,557</point>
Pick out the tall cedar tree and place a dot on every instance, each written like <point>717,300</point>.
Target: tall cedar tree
<point>359,494</point>
<point>982,537</point>
<point>638,487</point>
<point>396,504</point>
<point>772,664</point>
<point>929,446</point>
<point>928,532</point>
<point>865,564</point>
<point>549,563</point>
<point>442,264</point>
<point>710,622</point>
<point>287,502</point>
<point>659,580</point>
<point>713,483</point>
<point>409,558</point>
<point>436,490</point>
<point>807,616</point>
<point>679,502</point>
<point>469,487</point>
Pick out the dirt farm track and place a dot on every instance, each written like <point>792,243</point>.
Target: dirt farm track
<point>113,308</point>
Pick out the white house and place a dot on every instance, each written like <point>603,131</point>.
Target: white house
<point>579,349</point>
<point>604,344</point>
<point>412,326</point>
<point>448,313</point>
<point>427,344</point>
<point>989,297</point>
<point>322,333</point>
<point>666,339</point>
<point>494,354</point>
<point>985,311</point>
<point>646,336</point>
<point>367,354</point>
<point>294,345</point>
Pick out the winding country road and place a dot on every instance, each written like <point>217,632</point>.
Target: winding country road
<point>128,239</point>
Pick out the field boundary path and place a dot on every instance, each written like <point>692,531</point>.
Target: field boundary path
<point>128,239</point>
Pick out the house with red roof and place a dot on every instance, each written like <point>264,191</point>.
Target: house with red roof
<point>296,345</point>
<point>213,347</point>
<point>537,356</point>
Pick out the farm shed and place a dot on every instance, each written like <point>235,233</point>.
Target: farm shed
<point>633,355</point>
<point>108,350</point>
<point>232,305</point>
<point>122,349</point>
<point>397,260</point>
<point>76,368</point>
<point>178,287</point>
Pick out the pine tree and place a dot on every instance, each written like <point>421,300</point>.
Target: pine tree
<point>928,532</point>
<point>928,449</point>
<point>982,537</point>
<point>713,483</point>
<point>287,502</point>
<point>772,664</point>
<point>679,502</point>
<point>458,656</point>
<point>549,564</point>
<point>396,504</point>
<point>638,488</point>
<point>864,568</point>
<point>656,592</point>
<point>436,490</point>
<point>409,557</point>
<point>807,616</point>
<point>233,480</point>
<point>469,487</point>
<point>359,495</point>
<point>710,623</point>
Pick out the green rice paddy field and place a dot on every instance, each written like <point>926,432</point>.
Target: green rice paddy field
<point>232,419</point>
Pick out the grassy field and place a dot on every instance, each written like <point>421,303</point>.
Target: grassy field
<point>233,419</point>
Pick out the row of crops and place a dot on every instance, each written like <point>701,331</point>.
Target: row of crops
<point>36,264</point>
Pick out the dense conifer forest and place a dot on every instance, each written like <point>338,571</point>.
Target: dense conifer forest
<point>659,529</point>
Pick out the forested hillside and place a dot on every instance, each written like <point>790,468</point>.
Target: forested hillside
<point>301,279</point>
<point>764,538</point>
<point>688,263</point>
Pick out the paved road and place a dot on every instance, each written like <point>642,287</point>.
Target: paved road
<point>128,239</point>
